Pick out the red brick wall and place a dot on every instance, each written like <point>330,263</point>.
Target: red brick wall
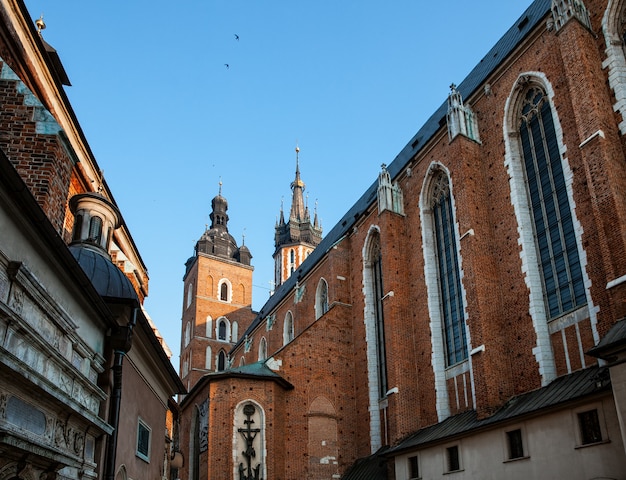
<point>40,159</point>
<point>328,357</point>
<point>204,278</point>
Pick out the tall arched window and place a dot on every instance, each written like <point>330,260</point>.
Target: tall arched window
<point>209,326</point>
<point>95,230</point>
<point>375,267</point>
<point>321,298</point>
<point>224,292</point>
<point>288,329</point>
<point>449,272</point>
<point>78,227</point>
<point>189,294</point>
<point>557,251</point>
<point>234,332</point>
<point>222,330</point>
<point>375,337</point>
<point>187,334</point>
<point>262,349</point>
<point>221,361</point>
<point>614,29</point>
<point>207,358</point>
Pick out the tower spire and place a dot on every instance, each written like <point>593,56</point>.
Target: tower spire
<point>297,237</point>
<point>297,201</point>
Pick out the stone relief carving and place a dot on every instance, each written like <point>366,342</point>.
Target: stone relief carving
<point>17,301</point>
<point>59,434</point>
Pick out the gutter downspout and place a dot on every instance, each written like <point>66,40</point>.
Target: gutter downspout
<point>121,340</point>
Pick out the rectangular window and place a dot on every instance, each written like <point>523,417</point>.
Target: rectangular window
<point>413,468</point>
<point>453,458</point>
<point>143,441</point>
<point>590,431</point>
<point>515,444</point>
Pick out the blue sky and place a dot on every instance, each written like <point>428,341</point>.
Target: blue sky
<point>349,82</point>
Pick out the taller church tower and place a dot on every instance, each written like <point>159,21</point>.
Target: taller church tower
<point>217,300</point>
<point>296,238</point>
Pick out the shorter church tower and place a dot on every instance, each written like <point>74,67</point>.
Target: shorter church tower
<point>296,238</point>
<point>217,303</point>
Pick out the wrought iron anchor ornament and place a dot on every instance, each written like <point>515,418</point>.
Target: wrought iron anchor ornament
<point>249,434</point>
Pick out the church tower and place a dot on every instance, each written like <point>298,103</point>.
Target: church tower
<point>217,302</point>
<point>296,238</point>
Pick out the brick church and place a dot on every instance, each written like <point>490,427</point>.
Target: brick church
<point>466,316</point>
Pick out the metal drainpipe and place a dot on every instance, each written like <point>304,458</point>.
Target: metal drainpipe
<point>116,400</point>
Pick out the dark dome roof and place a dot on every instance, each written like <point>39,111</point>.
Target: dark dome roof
<point>108,280</point>
<point>219,200</point>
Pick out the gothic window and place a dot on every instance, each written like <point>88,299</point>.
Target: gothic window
<point>221,361</point>
<point>95,230</point>
<point>321,299</point>
<point>207,358</point>
<point>224,292</point>
<point>557,251</point>
<point>222,330</point>
<point>209,326</point>
<point>448,269</point>
<point>292,256</point>
<point>120,475</point>
<point>189,294</point>
<point>262,349</point>
<point>375,270</point>
<point>185,366</point>
<point>323,436</point>
<point>187,333</point>
<point>234,332</point>
<point>288,329</point>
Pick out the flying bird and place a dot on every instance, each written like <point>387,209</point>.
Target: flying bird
<point>227,66</point>
<point>236,36</point>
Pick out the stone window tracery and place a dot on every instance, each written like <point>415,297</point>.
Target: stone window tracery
<point>557,250</point>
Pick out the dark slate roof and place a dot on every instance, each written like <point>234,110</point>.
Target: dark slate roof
<point>613,341</point>
<point>108,280</point>
<point>373,467</point>
<point>253,371</point>
<point>562,390</point>
<point>256,369</point>
<point>533,16</point>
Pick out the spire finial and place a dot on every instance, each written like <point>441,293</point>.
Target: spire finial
<point>243,237</point>
<point>40,24</point>
<point>220,191</point>
<point>100,182</point>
